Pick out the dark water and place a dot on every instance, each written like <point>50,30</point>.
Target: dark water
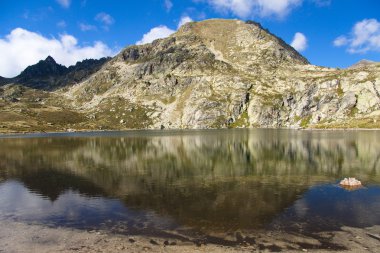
<point>192,183</point>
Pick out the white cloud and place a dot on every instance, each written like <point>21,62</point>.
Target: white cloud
<point>364,37</point>
<point>22,48</point>
<point>64,3</point>
<point>105,18</point>
<point>277,7</point>
<point>158,32</point>
<point>161,31</point>
<point>86,27</point>
<point>247,8</point>
<point>168,5</point>
<point>184,20</point>
<point>341,41</point>
<point>299,42</point>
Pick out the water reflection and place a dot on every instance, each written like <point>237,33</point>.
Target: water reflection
<point>75,210</point>
<point>210,181</point>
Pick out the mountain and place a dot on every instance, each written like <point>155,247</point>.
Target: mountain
<point>2,80</point>
<point>362,63</point>
<point>43,69</point>
<point>49,75</point>
<point>215,74</point>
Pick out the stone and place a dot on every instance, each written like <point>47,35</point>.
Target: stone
<point>350,182</point>
<point>153,242</point>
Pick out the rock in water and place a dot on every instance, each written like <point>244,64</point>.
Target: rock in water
<point>350,182</point>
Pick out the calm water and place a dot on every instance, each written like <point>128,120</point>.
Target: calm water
<point>201,183</point>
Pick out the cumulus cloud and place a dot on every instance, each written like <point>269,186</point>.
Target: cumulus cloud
<point>278,8</point>
<point>168,5</point>
<point>247,8</point>
<point>158,32</point>
<point>22,48</point>
<point>299,42</point>
<point>364,37</point>
<point>161,31</point>
<point>64,3</point>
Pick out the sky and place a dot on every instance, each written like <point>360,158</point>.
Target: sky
<point>332,33</point>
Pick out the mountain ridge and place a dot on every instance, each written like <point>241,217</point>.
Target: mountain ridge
<point>215,74</point>
<point>49,75</point>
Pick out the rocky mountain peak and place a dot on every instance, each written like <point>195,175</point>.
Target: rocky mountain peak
<point>49,75</point>
<point>242,42</point>
<point>43,68</point>
<point>214,45</point>
<point>50,60</point>
<point>362,63</point>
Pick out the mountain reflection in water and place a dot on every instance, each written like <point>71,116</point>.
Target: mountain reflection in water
<point>205,181</point>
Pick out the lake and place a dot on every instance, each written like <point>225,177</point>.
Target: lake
<point>205,184</point>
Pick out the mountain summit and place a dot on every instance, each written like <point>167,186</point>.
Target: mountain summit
<point>230,42</point>
<point>49,75</point>
<point>214,74</point>
<point>362,63</point>
<point>45,68</point>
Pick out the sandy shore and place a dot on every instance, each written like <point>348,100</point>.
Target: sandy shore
<point>20,237</point>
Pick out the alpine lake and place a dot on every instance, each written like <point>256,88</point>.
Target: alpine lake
<point>209,186</point>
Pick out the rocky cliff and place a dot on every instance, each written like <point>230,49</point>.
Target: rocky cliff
<point>216,74</point>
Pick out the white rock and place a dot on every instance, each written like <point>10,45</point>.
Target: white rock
<point>351,182</point>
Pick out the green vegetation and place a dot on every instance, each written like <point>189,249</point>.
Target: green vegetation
<point>305,121</point>
<point>242,121</point>
<point>339,90</point>
<point>369,123</point>
<point>168,100</point>
<point>353,111</point>
<point>118,113</point>
<point>219,122</point>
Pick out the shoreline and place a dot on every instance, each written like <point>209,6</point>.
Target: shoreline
<point>22,237</point>
<point>84,131</point>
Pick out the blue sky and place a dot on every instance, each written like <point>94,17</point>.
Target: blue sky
<point>334,33</point>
